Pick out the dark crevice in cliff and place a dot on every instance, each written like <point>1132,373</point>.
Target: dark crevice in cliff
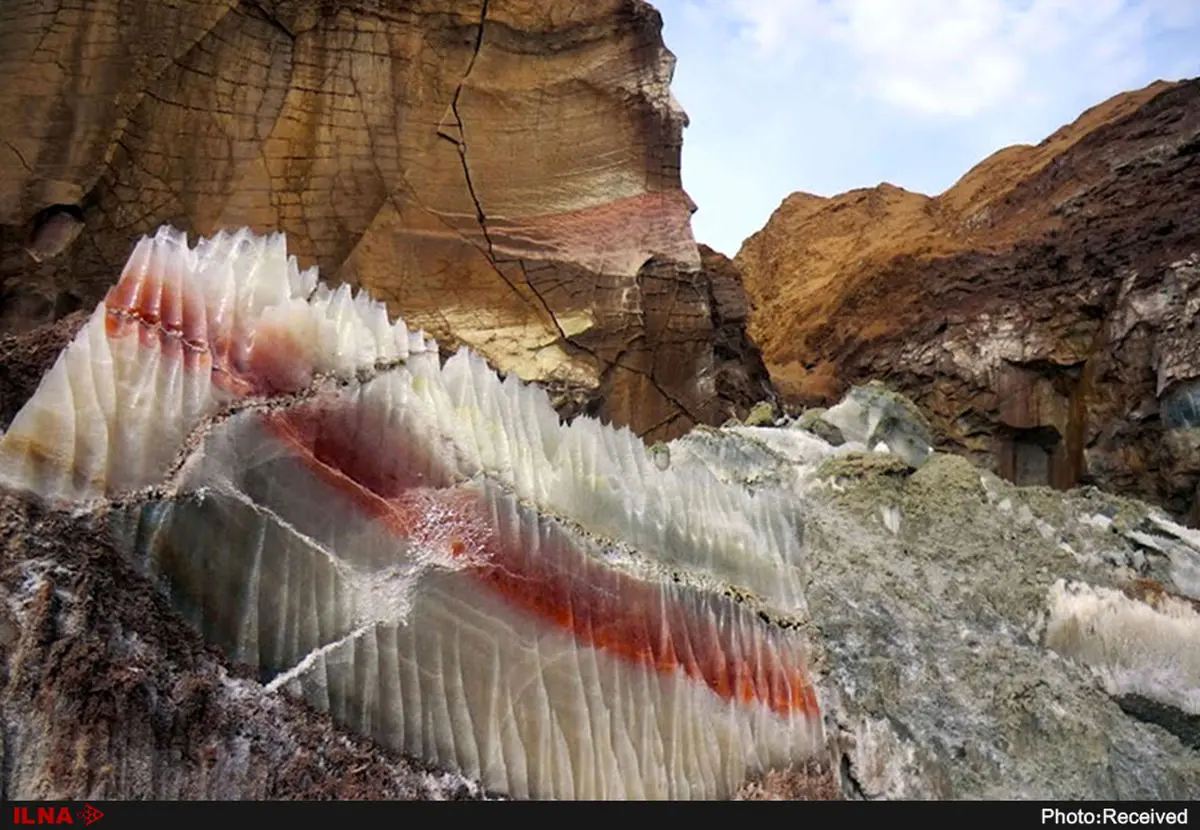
<point>12,147</point>
<point>260,10</point>
<point>664,423</point>
<point>856,791</point>
<point>460,141</point>
<point>1076,437</point>
<point>743,350</point>
<point>1182,725</point>
<point>542,305</point>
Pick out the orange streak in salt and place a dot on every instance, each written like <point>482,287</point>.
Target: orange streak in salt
<point>644,623</point>
<point>641,622</point>
<point>174,320</point>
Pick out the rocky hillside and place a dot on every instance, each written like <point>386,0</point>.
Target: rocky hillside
<point>928,630</point>
<point>504,174</point>
<point>1040,310</point>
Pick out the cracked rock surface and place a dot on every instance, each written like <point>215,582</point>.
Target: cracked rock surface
<point>505,175</point>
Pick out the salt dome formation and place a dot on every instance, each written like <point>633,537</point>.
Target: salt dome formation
<point>423,549</point>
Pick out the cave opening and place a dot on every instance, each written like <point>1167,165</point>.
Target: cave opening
<point>1028,456</point>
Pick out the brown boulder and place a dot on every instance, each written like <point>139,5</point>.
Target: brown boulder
<point>505,174</point>
<point>1040,310</point>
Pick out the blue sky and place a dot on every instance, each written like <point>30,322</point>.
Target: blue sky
<point>828,95</point>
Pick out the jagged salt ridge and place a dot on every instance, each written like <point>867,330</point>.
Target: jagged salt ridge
<point>604,479</point>
<point>110,415</point>
<point>425,551</point>
<point>387,634</point>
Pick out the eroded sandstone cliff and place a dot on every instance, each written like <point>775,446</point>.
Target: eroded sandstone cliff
<point>504,174</point>
<point>1040,310</point>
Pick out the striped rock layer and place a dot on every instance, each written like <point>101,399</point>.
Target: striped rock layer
<point>422,548</point>
<point>504,174</point>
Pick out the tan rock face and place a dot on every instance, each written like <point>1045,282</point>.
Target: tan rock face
<point>1040,310</point>
<point>505,173</point>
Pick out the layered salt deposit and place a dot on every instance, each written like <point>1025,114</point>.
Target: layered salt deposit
<point>424,549</point>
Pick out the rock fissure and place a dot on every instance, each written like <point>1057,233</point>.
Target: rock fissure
<point>13,149</point>
<point>481,218</point>
<point>856,789</point>
<point>273,19</point>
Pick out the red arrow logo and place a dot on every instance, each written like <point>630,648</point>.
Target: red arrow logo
<point>90,815</point>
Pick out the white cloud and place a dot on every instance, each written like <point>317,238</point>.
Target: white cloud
<point>771,23</point>
<point>829,95</point>
<point>960,58</point>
